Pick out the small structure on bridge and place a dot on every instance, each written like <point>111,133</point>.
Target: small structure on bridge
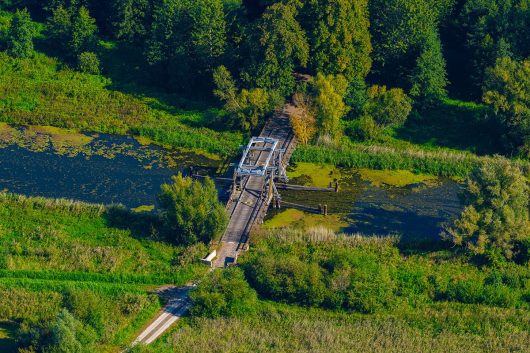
<point>262,158</point>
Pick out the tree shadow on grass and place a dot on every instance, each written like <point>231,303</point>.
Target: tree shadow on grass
<point>145,225</point>
<point>8,343</point>
<point>455,124</point>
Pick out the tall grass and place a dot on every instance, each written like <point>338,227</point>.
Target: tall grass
<point>279,328</point>
<point>64,206</point>
<point>439,162</point>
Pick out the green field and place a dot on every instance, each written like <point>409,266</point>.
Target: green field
<point>365,294</point>
<point>101,264</point>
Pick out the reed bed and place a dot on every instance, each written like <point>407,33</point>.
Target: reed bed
<point>438,162</point>
<point>65,206</point>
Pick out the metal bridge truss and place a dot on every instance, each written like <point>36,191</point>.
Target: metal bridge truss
<point>262,158</point>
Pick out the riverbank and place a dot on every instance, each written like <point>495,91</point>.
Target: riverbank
<point>43,91</point>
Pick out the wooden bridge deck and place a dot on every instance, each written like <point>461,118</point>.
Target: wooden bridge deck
<point>249,206</point>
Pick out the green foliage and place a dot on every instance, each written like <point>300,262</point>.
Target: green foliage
<point>89,63</point>
<point>364,129</point>
<point>191,210</point>
<point>493,29</point>
<point>281,47</point>
<point>57,240</point>
<point>224,294</point>
<point>429,76</point>
<point>73,30</point>
<point>399,29</point>
<point>339,36</point>
<point>388,107</point>
<point>69,336</point>
<point>187,40</point>
<point>507,90</point>
<point>329,100</point>
<point>246,108</point>
<point>130,23</point>
<point>368,274</point>
<point>20,35</point>
<point>496,218</point>
<point>38,91</point>
<point>208,35</point>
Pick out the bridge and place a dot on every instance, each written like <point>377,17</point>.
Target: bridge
<point>263,162</point>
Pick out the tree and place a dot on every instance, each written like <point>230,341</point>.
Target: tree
<point>223,294</point>
<point>282,48</point>
<point>20,35</point>
<point>67,335</point>
<point>245,108</point>
<point>208,35</point>
<point>429,77</point>
<point>83,32</point>
<point>507,90</point>
<point>73,30</point>
<point>302,117</point>
<point>191,210</point>
<point>89,62</point>
<point>130,19</point>
<point>59,26</point>
<point>339,36</point>
<point>399,28</point>
<point>187,40</point>
<point>388,107</point>
<point>330,91</point>
<point>493,29</point>
<point>495,218</point>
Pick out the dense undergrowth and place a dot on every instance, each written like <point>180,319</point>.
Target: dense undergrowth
<point>370,275</point>
<point>99,263</point>
<point>322,292</point>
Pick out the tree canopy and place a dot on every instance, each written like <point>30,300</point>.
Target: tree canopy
<point>191,210</point>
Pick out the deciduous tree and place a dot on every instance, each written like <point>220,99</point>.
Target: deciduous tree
<point>388,107</point>
<point>507,90</point>
<point>282,46</point>
<point>191,210</point>
<point>329,100</point>
<point>20,35</point>
<point>429,77</point>
<point>339,36</point>
<point>495,218</point>
<point>303,118</point>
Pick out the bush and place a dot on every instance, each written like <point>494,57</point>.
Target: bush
<point>224,294</point>
<point>191,211</point>
<point>388,107</point>
<point>88,62</point>
<point>364,129</point>
<point>495,220</point>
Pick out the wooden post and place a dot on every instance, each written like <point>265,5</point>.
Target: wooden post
<point>325,210</point>
<point>336,186</point>
<point>269,194</point>
<point>320,210</point>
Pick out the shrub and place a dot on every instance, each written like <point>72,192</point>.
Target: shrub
<point>191,211</point>
<point>223,294</point>
<point>365,129</point>
<point>496,218</point>
<point>388,107</point>
<point>88,62</point>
